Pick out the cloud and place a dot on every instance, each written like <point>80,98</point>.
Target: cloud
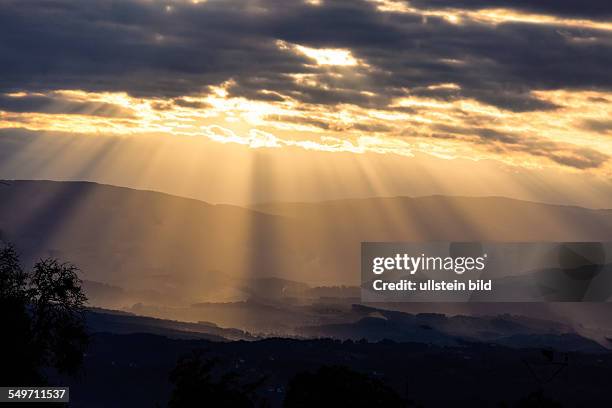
<point>326,124</point>
<point>55,104</point>
<point>185,103</point>
<point>599,126</point>
<point>566,154</point>
<point>338,69</point>
<point>154,49</point>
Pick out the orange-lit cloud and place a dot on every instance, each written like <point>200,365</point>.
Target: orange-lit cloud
<point>450,129</point>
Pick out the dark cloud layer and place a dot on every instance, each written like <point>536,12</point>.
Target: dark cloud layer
<point>59,105</point>
<point>601,126</point>
<point>562,153</point>
<point>171,49</point>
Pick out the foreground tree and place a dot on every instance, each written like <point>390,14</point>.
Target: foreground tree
<point>19,365</point>
<point>42,314</point>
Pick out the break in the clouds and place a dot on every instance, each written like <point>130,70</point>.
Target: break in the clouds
<point>381,75</point>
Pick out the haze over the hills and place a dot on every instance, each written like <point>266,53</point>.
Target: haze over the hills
<point>147,240</point>
<point>139,239</point>
<point>172,257</point>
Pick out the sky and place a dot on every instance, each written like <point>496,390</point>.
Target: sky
<point>249,101</point>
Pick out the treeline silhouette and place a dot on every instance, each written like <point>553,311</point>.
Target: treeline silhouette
<point>196,384</point>
<point>42,312</point>
<point>199,383</point>
<point>338,386</point>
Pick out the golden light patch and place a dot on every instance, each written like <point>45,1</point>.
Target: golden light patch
<point>322,56</point>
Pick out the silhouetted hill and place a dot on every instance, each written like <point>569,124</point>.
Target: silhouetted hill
<point>433,328</point>
<point>143,240</point>
<point>372,324</point>
<point>106,321</point>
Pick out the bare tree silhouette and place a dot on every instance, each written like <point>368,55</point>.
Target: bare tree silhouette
<point>42,313</point>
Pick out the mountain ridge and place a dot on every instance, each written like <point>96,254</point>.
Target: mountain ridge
<point>254,206</point>
<point>133,238</point>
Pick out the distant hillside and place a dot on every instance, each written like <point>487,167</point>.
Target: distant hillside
<point>181,251</point>
<point>438,329</point>
<point>363,322</point>
<point>343,224</point>
<point>449,218</point>
<point>185,249</point>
